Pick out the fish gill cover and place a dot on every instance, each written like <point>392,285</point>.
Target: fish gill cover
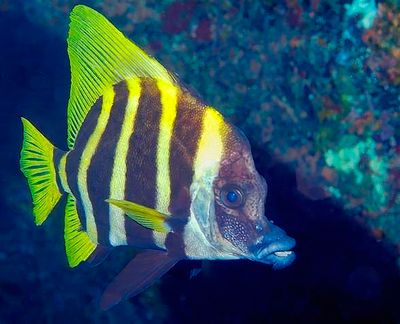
<point>314,85</point>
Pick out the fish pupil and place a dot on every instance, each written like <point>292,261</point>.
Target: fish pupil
<point>232,196</point>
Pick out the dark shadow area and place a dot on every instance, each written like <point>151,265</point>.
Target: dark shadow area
<point>34,83</point>
<point>341,273</point>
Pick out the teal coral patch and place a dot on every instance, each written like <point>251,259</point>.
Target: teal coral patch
<point>358,162</point>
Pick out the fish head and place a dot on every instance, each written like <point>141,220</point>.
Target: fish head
<point>236,224</point>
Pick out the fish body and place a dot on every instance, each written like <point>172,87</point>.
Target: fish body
<point>150,165</point>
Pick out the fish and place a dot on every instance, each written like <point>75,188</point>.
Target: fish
<point>149,165</point>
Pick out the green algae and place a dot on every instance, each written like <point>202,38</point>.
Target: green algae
<point>366,10</point>
<point>357,161</point>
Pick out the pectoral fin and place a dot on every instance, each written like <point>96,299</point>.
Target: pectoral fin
<point>138,275</point>
<point>145,216</point>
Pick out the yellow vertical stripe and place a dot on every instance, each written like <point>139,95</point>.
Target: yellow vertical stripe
<point>206,167</point>
<point>86,158</point>
<point>210,146</point>
<point>62,173</point>
<point>118,178</point>
<point>168,92</point>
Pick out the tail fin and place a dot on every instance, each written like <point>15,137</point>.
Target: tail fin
<point>38,167</point>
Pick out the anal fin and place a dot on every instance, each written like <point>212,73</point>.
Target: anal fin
<point>138,275</point>
<point>78,245</point>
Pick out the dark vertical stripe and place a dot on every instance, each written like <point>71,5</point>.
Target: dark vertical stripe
<point>141,159</point>
<point>139,236</point>
<point>184,142</point>
<point>100,170</point>
<point>73,158</point>
<point>56,160</point>
<point>175,245</point>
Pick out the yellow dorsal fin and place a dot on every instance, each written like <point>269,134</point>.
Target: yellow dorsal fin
<point>145,216</point>
<point>100,56</point>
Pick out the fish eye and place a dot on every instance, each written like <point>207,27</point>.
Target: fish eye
<point>232,196</point>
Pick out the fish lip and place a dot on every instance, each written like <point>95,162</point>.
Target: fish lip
<point>267,254</point>
<point>286,244</point>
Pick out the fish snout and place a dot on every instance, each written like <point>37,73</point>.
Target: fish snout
<point>275,248</point>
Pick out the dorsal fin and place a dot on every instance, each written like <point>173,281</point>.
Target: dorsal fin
<point>100,56</point>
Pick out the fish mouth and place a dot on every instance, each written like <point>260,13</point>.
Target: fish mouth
<point>279,253</point>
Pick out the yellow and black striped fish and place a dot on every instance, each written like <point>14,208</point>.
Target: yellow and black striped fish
<point>149,165</point>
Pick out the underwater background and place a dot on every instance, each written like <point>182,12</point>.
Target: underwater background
<point>315,85</point>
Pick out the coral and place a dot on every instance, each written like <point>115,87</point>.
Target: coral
<point>365,9</point>
<point>383,39</point>
<point>177,16</point>
<point>357,161</point>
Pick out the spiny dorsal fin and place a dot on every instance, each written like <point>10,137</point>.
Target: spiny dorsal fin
<point>145,216</point>
<point>100,56</point>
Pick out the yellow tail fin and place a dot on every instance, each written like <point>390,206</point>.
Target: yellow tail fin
<point>38,167</point>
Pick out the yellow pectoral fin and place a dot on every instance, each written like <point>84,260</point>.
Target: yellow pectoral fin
<point>145,216</point>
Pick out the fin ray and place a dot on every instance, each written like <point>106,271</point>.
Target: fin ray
<point>143,215</point>
<point>37,165</point>
<point>78,245</point>
<point>100,56</point>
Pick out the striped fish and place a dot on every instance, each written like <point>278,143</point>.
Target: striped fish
<point>149,165</point>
